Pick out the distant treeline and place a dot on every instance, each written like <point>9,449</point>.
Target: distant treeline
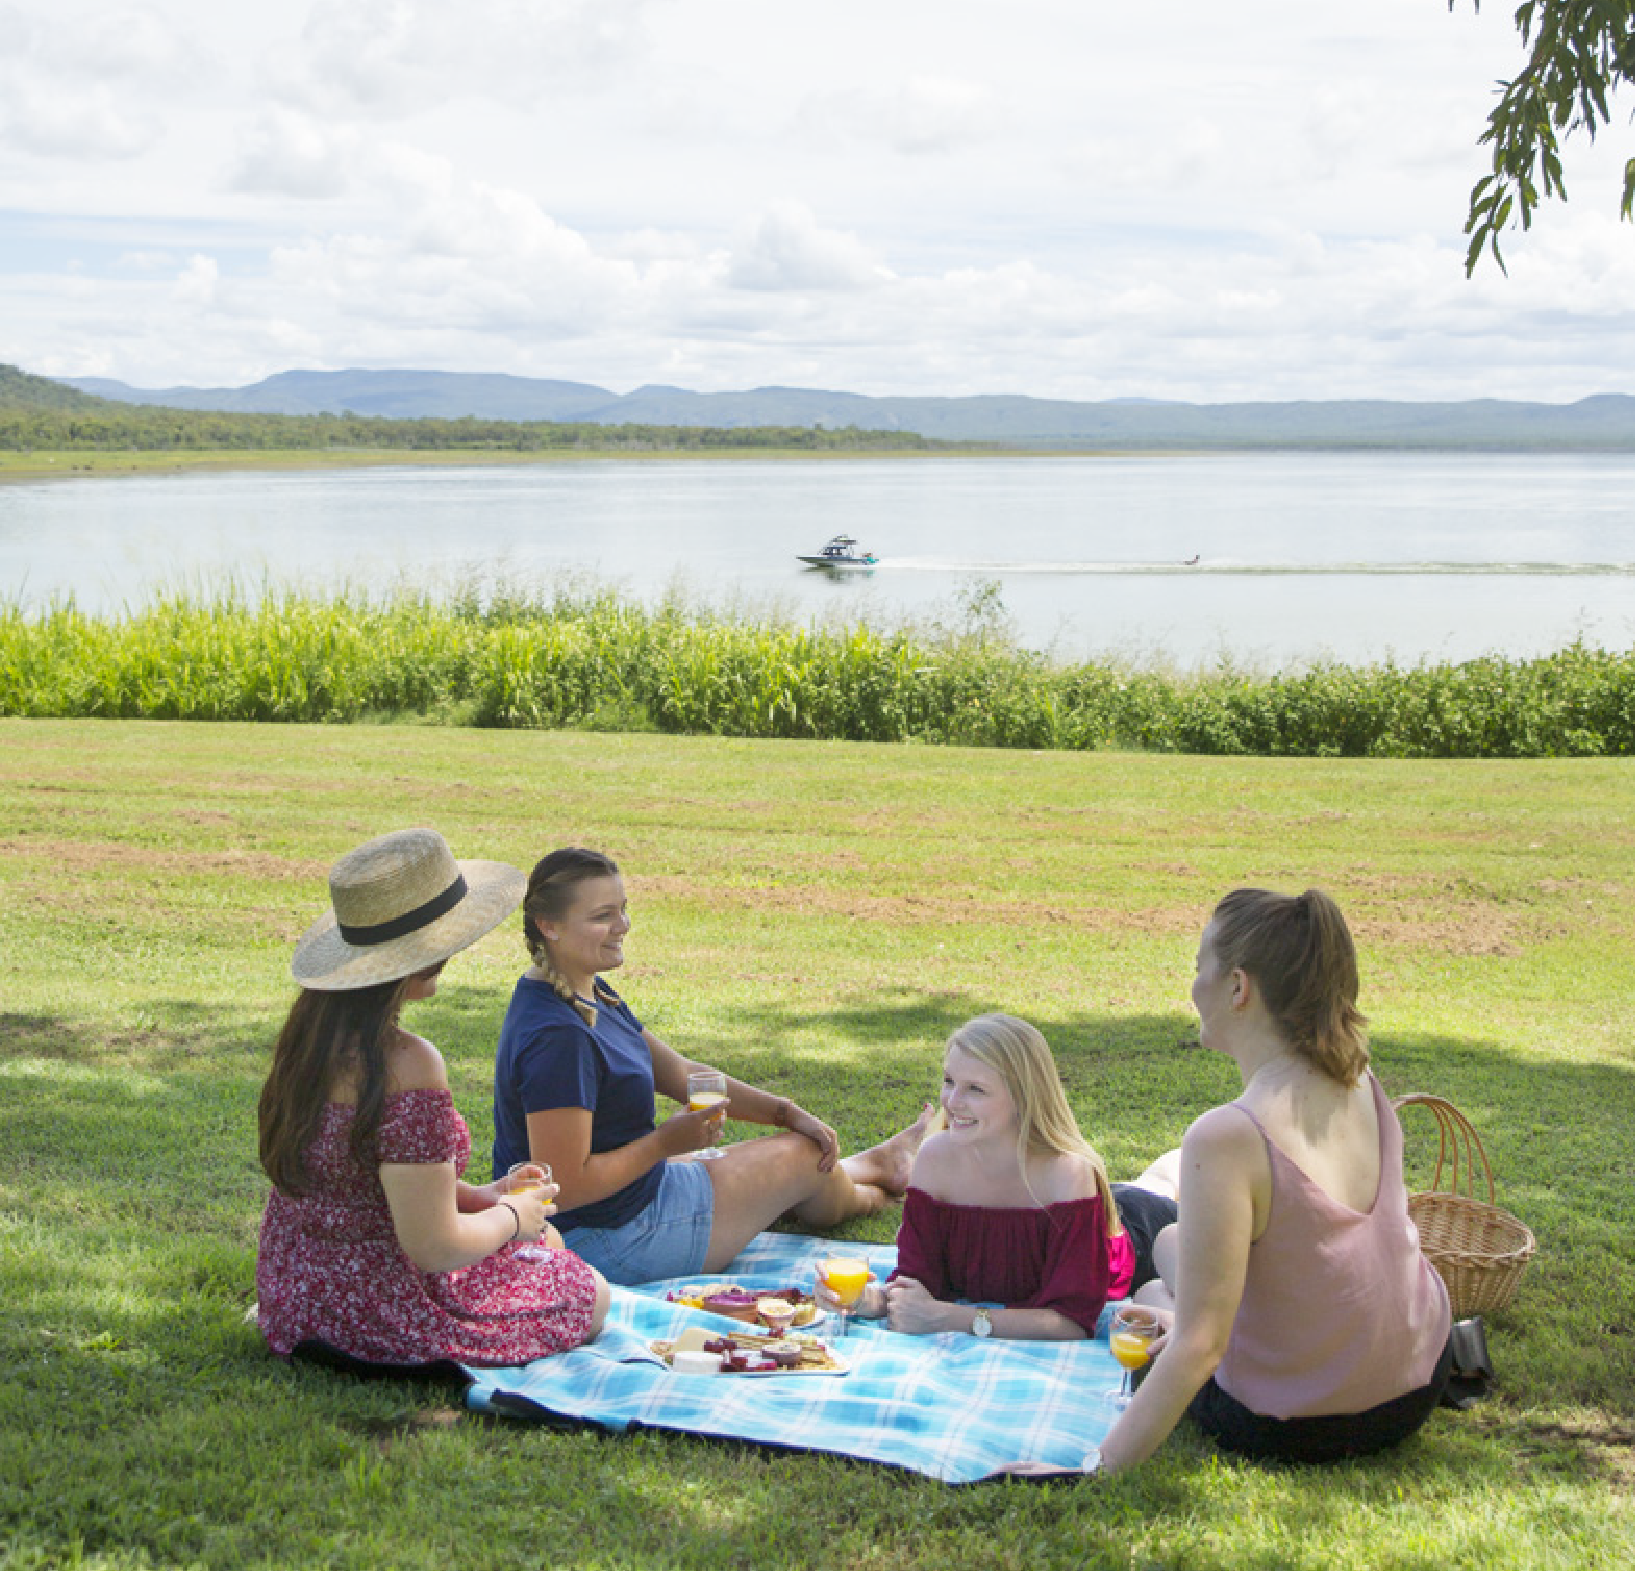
<point>595,662</point>
<point>37,415</point>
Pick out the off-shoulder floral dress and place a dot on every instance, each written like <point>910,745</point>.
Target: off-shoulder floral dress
<point>330,1268</point>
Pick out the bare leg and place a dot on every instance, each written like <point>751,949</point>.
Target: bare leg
<point>886,1166</point>
<point>1163,1175</point>
<point>599,1310</point>
<point>1161,1291</point>
<point>758,1181</point>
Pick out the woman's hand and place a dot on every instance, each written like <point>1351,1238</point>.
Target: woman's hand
<point>799,1120</point>
<point>1165,1319</point>
<point>531,1207</point>
<point>492,1194</point>
<point>1162,1319</point>
<point>686,1131</point>
<point>871,1304</point>
<point>911,1309</point>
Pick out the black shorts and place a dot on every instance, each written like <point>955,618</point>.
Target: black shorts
<point>1145,1216</point>
<point>1328,1438</point>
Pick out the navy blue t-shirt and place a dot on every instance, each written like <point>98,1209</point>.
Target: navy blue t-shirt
<point>548,1058</point>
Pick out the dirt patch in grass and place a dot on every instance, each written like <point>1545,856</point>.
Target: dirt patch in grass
<point>1601,1446</point>
<point>974,909</point>
<point>1477,929</point>
<point>91,856</point>
<point>387,1433</point>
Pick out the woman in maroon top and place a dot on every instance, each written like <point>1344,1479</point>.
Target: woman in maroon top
<point>1008,1204</point>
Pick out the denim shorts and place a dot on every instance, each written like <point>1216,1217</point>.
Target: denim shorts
<point>669,1238</point>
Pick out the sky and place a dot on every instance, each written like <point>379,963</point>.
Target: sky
<point>1062,198</point>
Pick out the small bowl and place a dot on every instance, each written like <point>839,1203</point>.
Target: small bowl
<point>777,1314</point>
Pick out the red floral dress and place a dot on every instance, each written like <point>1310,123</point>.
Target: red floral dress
<point>330,1267</point>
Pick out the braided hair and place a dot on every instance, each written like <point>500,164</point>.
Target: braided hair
<point>551,889</point>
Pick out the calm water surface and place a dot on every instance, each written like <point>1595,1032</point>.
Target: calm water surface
<point>1299,555</point>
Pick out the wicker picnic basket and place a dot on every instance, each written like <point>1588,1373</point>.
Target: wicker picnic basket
<point>1479,1250</point>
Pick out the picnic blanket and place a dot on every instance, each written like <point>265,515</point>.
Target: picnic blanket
<point>955,1407</point>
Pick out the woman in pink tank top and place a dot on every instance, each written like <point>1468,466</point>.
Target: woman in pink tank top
<point>1307,1325</point>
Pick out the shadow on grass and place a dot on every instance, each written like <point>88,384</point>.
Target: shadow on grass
<point>160,1248</point>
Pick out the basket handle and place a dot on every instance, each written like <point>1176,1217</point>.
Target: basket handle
<point>1457,1143</point>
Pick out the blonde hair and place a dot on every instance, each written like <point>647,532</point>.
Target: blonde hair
<point>1046,1125</point>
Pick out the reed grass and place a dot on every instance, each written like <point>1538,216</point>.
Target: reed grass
<point>573,657</point>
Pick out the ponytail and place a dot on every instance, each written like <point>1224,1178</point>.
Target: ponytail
<point>1300,952</point>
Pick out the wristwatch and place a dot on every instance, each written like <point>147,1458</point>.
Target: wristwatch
<point>1092,1462</point>
<point>982,1323</point>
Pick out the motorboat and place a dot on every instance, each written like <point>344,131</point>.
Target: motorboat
<point>842,551</point>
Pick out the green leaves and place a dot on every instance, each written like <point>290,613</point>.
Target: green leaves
<point>1579,53</point>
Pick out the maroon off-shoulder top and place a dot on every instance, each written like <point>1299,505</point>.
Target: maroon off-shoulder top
<point>1029,1257</point>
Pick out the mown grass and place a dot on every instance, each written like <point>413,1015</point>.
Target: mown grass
<point>568,658</point>
<point>817,915</point>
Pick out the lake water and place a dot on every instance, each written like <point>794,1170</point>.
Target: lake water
<point>1355,556</point>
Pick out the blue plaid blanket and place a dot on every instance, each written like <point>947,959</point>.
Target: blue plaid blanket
<point>953,1407</point>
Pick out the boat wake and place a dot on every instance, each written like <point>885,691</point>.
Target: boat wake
<point>1273,569</point>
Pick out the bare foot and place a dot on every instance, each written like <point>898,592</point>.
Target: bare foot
<point>886,1167</point>
<point>871,1198</point>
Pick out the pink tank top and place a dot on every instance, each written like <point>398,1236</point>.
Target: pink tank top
<point>1341,1311</point>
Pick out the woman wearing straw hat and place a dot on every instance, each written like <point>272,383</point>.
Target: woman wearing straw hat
<point>575,1079</point>
<point>371,1243</point>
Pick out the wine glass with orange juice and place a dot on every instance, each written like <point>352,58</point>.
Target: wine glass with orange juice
<point>1130,1338</point>
<point>526,1178</point>
<point>846,1276</point>
<point>706,1088</point>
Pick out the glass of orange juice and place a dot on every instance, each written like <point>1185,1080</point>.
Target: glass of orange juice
<point>706,1088</point>
<point>846,1276</point>
<point>524,1178</point>
<point>1129,1338</point>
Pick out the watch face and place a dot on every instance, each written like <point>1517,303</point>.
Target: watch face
<point>981,1324</point>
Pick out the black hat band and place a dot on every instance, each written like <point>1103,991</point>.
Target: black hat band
<point>410,921</point>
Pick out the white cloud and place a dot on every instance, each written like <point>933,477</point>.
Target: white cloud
<point>287,153</point>
<point>75,122</point>
<point>918,116</point>
<point>1083,202</point>
<point>786,248</point>
<point>402,57</point>
<point>93,87</point>
<point>196,284</point>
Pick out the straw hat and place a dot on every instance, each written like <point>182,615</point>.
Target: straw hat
<point>399,905</point>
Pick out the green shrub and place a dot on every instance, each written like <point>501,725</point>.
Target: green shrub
<point>588,659</point>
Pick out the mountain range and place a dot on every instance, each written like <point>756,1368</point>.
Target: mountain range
<point>1606,422</point>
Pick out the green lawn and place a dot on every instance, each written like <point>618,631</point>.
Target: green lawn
<point>817,916</point>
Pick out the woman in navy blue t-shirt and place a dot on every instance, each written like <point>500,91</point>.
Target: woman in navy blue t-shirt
<point>574,1086</point>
